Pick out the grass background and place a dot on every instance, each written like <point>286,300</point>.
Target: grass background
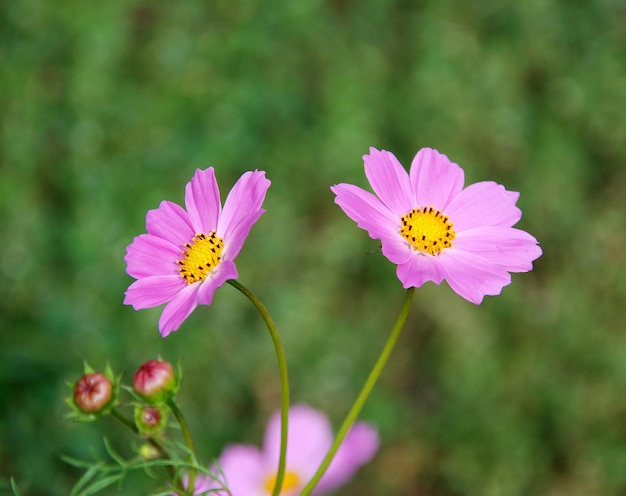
<point>107,109</point>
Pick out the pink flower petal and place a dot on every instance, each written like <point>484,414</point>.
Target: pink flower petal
<point>170,227</point>
<point>178,309</point>
<point>244,470</point>
<point>484,204</point>
<point>237,235</point>
<point>420,268</point>
<point>389,180</point>
<point>170,222</point>
<point>396,249</point>
<point>204,483</point>
<point>244,200</point>
<point>358,448</point>
<point>472,276</point>
<point>152,291</point>
<point>435,180</point>
<point>247,470</point>
<point>367,211</point>
<point>223,272</point>
<point>149,255</point>
<point>202,199</point>
<point>486,247</point>
<point>508,247</point>
<point>309,435</point>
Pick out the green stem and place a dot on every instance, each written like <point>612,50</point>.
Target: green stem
<point>284,381</point>
<point>131,425</point>
<point>364,394</point>
<point>153,442</point>
<point>188,442</point>
<point>125,420</point>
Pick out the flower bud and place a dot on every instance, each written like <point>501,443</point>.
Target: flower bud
<point>155,381</point>
<point>93,393</point>
<point>148,452</point>
<point>150,420</point>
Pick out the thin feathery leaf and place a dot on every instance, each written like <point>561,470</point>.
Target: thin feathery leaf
<point>75,462</point>
<point>16,490</point>
<point>113,454</point>
<point>83,482</point>
<point>102,483</point>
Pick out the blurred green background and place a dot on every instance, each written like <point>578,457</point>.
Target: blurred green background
<point>106,109</point>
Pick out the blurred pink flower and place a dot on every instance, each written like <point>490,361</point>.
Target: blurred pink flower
<point>434,229</point>
<point>249,471</point>
<point>187,254</point>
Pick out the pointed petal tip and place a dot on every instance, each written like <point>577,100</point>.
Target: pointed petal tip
<point>167,328</point>
<point>338,188</point>
<point>200,174</point>
<point>255,175</point>
<point>432,154</point>
<point>165,332</point>
<point>210,169</point>
<point>426,152</point>
<point>475,299</point>
<point>202,200</point>
<point>376,153</point>
<point>390,181</point>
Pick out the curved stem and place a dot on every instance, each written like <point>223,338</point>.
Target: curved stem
<point>284,380</point>
<point>364,394</point>
<point>188,442</point>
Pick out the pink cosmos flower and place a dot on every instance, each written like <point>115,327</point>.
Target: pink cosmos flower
<point>249,471</point>
<point>187,254</point>
<point>434,229</point>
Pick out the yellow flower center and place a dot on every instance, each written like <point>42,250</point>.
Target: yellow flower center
<point>427,230</point>
<point>201,256</point>
<point>290,482</point>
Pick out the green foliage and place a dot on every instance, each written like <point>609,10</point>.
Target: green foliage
<point>16,491</point>
<point>108,108</point>
<point>100,474</point>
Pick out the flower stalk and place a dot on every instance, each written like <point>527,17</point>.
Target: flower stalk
<point>364,394</point>
<point>284,380</point>
<point>188,442</point>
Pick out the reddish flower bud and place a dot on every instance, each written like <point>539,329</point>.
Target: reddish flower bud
<point>155,381</point>
<point>93,393</point>
<point>150,420</point>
